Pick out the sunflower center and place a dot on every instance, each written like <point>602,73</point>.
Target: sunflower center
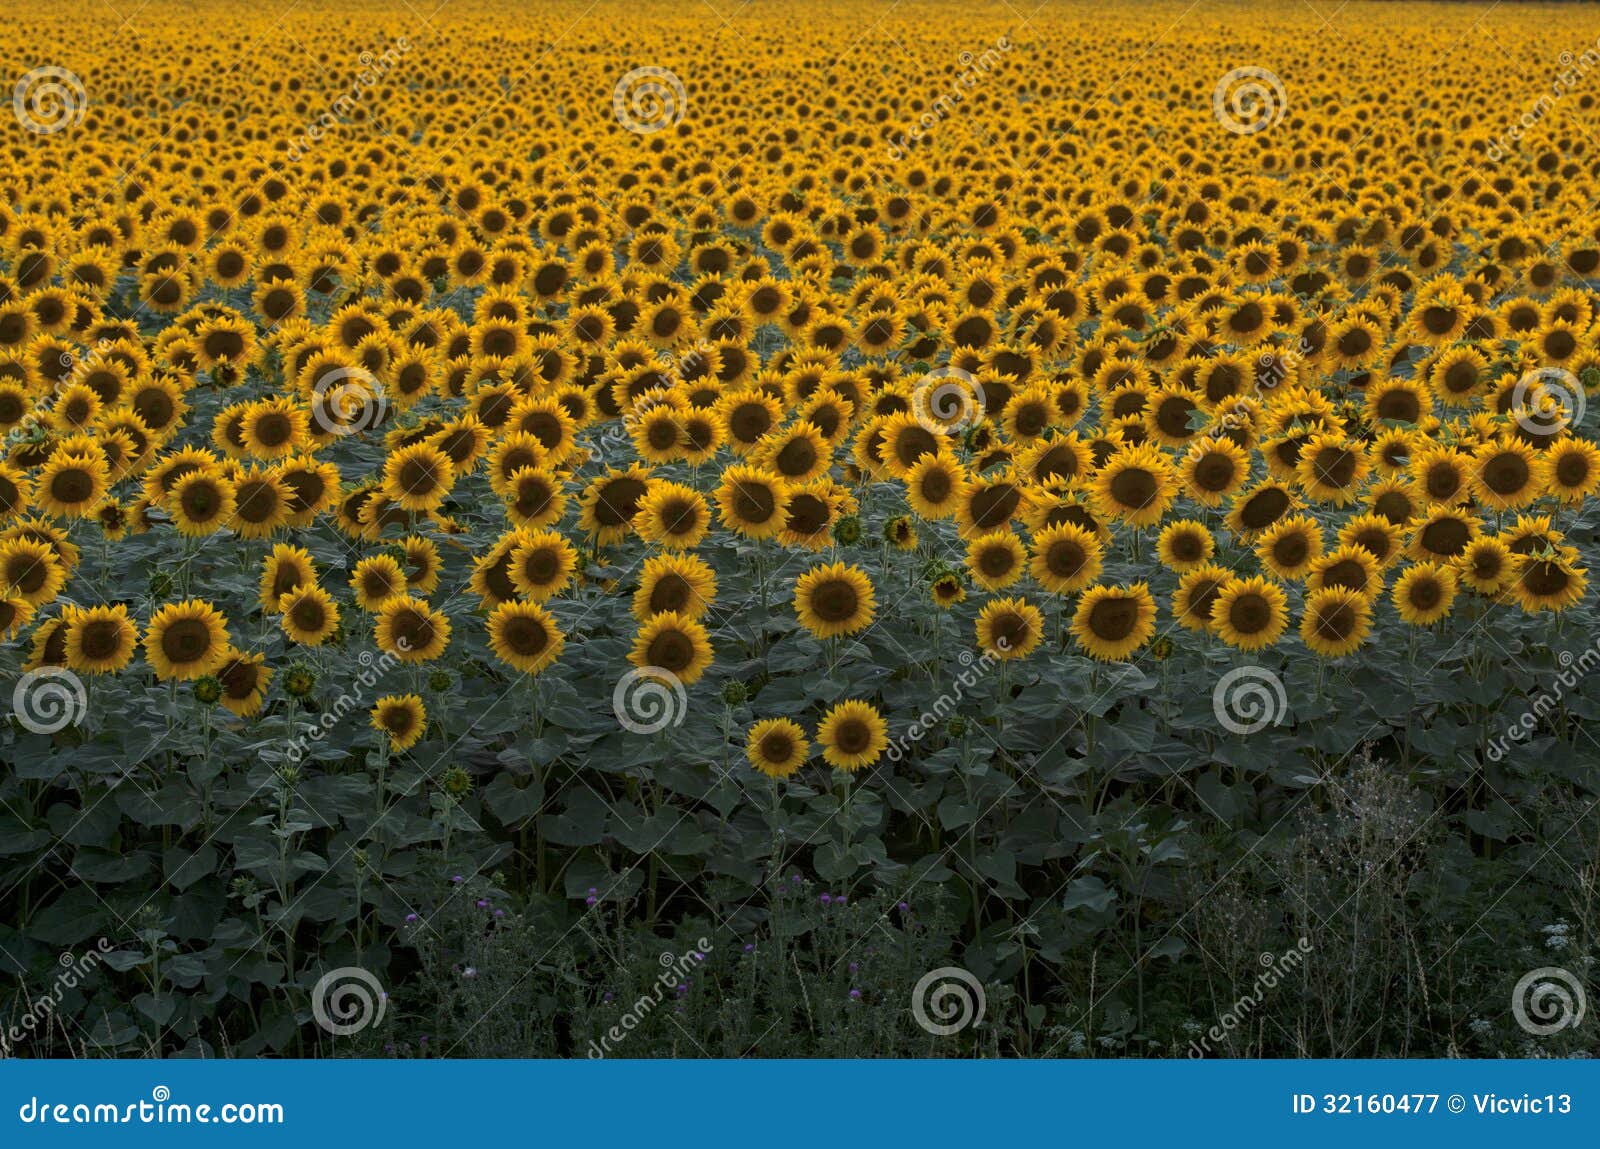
<point>618,502</point>
<point>807,514</point>
<point>1347,573</point>
<point>995,505</point>
<point>670,593</point>
<point>73,485</point>
<point>1545,578</point>
<point>1506,474</point>
<point>671,650</point>
<point>186,641</point>
<point>852,736</point>
<point>1446,537</point>
<point>1214,472</point>
<point>776,747</point>
<point>996,561</point>
<point>1113,619</point>
<point>1250,614</point>
<point>1264,508</point>
<point>1336,623</point>
<point>754,502</point>
<point>526,636</point>
<point>100,639</point>
<point>914,442</point>
<point>413,630</point>
<point>1425,593</point>
<point>835,601</point>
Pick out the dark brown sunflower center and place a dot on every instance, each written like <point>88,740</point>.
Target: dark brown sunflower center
<point>1506,474</point>
<point>526,636</point>
<point>186,640</point>
<point>672,650</point>
<point>101,638</point>
<point>852,736</point>
<point>1446,537</point>
<point>1250,614</point>
<point>1113,619</point>
<point>807,514</point>
<point>835,601</point>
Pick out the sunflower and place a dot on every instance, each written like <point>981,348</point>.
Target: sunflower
<point>752,502</point>
<point>31,570</point>
<point>1505,474</point>
<point>673,515</point>
<point>186,640</point>
<point>287,568</point>
<point>1066,558</point>
<point>411,630</point>
<point>1059,462</point>
<point>402,719</point>
<point>1255,510</point>
<point>201,503</point>
<point>100,639</point>
<point>746,417</point>
<point>244,679</point>
<point>309,615</point>
<point>812,512</point>
<point>1136,485</point>
<point>1424,593</point>
<point>1548,582</point>
<point>534,497</point>
<point>71,485</point>
<point>947,591</point>
<point>275,428</point>
<point>1213,469</point>
<point>1443,534</point>
<point>524,636</point>
<point>14,615</point>
<point>48,647</point>
<point>1487,566</point>
<point>1009,628</point>
<point>674,583</point>
<point>1331,468</point>
<point>777,747</point>
<point>1441,476</point>
<point>418,477</point>
<point>1184,545</point>
<point>16,492</point>
<point>796,454</point>
<point>1353,568</point>
<point>313,487</point>
<point>852,735</point>
<point>996,560</point>
<point>988,504</point>
<point>673,643</point>
<point>834,600</point>
<point>1569,470</point>
<point>1374,534</point>
<point>1250,613</point>
<point>1336,621</point>
<point>935,485</point>
<point>375,580</point>
<point>541,564</point>
<point>1194,602</point>
<point>610,502</point>
<point>1290,546</point>
<point>1111,622</point>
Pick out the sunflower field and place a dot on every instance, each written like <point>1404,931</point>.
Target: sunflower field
<point>1080,505</point>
